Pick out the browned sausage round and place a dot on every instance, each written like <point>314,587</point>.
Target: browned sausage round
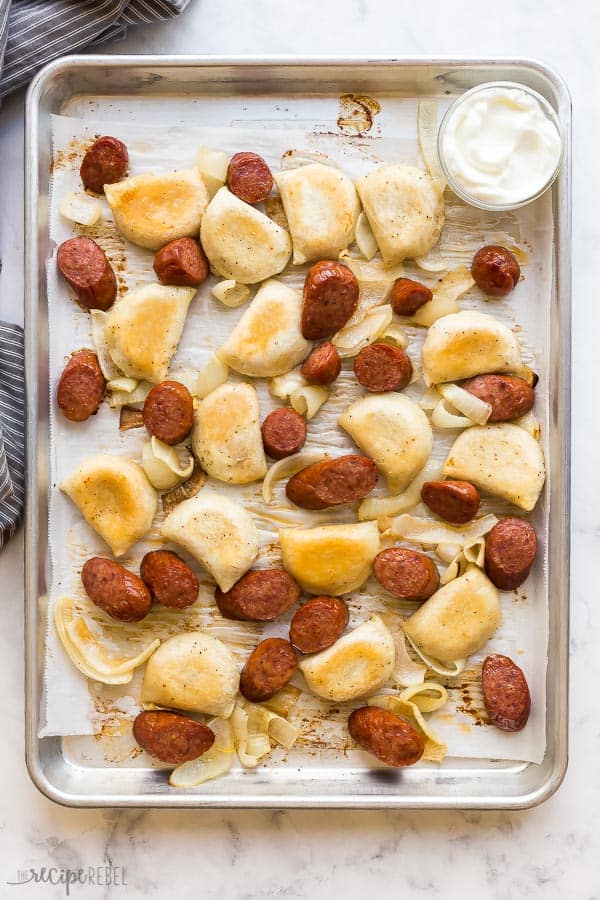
<point>182,263</point>
<point>169,579</point>
<point>383,367</point>
<point>454,501</point>
<point>104,163</point>
<point>332,482</point>
<point>407,574</point>
<point>121,594</point>
<point>505,693</point>
<point>510,550</point>
<point>323,365</point>
<point>408,296</point>
<point>508,395</point>
<point>85,267</point>
<point>259,596</point>
<point>318,624</point>
<point>249,177</point>
<point>171,737</point>
<point>330,297</point>
<point>169,412</point>
<point>81,387</point>
<point>495,270</point>
<point>283,433</point>
<point>386,736</point>
<point>268,668</point>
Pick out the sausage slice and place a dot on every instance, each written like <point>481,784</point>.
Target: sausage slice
<point>330,297</point>
<point>171,737</point>
<point>383,367</point>
<point>323,365</point>
<point>259,596</point>
<point>85,266</point>
<point>508,395</point>
<point>249,177</point>
<point>283,433</point>
<point>455,501</point>
<point>169,412</point>
<point>407,574</point>
<point>81,386</point>
<point>505,693</point>
<point>119,593</point>
<point>104,163</point>
<point>268,668</point>
<point>510,551</point>
<point>332,482</point>
<point>386,736</point>
<point>169,579</point>
<point>181,262</point>
<point>495,270</point>
<point>318,624</point>
<point>408,296</point>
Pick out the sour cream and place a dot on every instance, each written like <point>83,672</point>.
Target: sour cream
<point>500,145</point>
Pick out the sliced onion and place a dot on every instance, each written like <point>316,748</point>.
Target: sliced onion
<point>530,424</point>
<point>216,761</point>
<point>288,466</point>
<point>448,551</point>
<point>406,670</point>
<point>184,491</point>
<point>86,649</point>
<point>105,361</point>
<point>466,403</point>
<point>211,376</point>
<point>444,417</point>
<point>430,533</point>
<point>283,701</point>
<point>475,553</point>
<point>129,417</point>
<point>447,669</point>
<point>351,339</point>
<point>432,261</point>
<point>231,293</point>
<point>276,213</point>
<point>420,695</point>
<point>430,398</point>
<point>365,239</point>
<point>427,128</point>
<point>456,567</point>
<point>213,166</point>
<point>435,749</point>
<point>163,465</point>
<point>395,334</point>
<point>81,209</point>
<point>253,727</point>
<point>188,378</point>
<point>128,398</point>
<point>445,294</point>
<point>123,383</point>
<point>309,399</point>
<point>293,159</point>
<point>374,507</point>
<point>283,386</point>
<point>373,270</point>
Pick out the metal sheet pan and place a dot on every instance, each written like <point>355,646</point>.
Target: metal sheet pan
<point>64,86</point>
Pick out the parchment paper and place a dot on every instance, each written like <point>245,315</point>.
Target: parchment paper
<point>71,705</point>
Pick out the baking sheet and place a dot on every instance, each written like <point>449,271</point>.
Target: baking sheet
<point>69,708</point>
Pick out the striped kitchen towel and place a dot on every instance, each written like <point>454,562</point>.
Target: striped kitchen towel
<point>12,429</point>
<point>33,32</point>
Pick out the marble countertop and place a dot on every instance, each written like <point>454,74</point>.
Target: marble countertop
<point>548,852</point>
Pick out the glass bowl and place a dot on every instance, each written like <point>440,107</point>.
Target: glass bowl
<point>456,186</point>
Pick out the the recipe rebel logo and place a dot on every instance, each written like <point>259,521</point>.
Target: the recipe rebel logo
<point>97,876</point>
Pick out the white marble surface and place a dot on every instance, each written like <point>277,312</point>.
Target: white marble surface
<point>548,852</point>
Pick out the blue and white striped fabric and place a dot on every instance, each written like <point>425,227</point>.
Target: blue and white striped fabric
<point>12,429</point>
<point>32,33</point>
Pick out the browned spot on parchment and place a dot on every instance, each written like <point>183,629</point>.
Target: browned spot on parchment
<point>357,112</point>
